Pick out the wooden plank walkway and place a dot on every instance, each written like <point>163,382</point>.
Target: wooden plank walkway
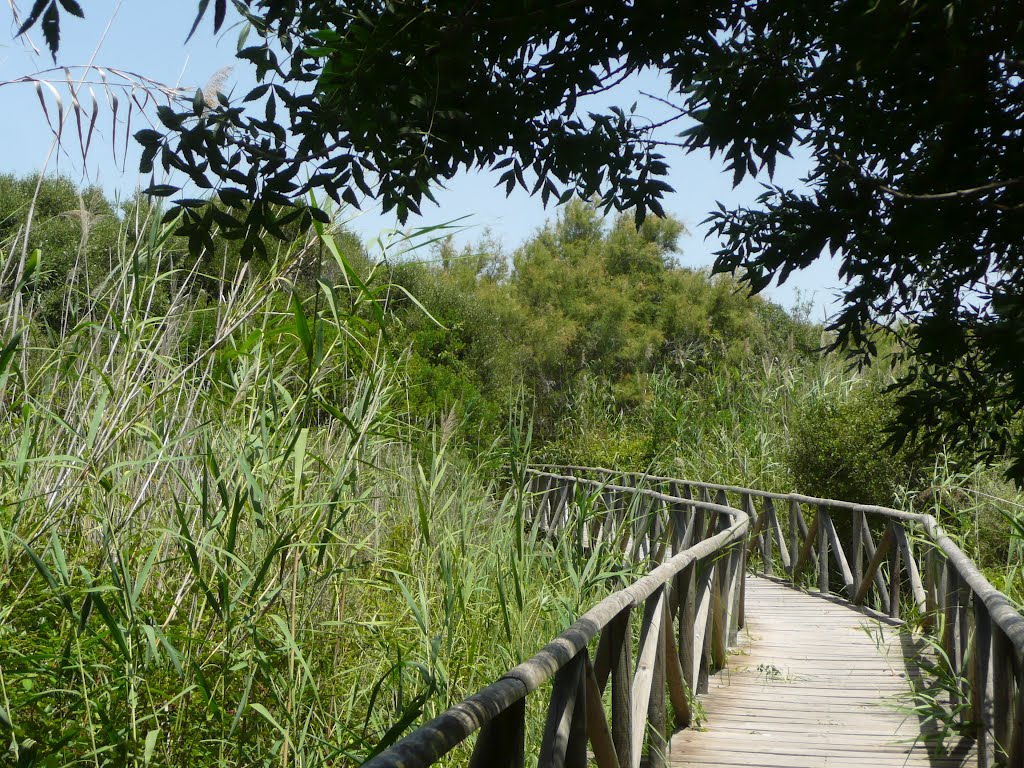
<point>814,682</point>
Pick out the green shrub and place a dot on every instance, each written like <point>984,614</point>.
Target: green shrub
<point>77,235</point>
<point>837,447</point>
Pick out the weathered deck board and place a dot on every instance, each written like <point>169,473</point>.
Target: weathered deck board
<point>814,683</point>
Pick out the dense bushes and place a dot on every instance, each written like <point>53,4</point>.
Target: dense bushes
<point>586,309</point>
<point>837,447</point>
<point>75,234</point>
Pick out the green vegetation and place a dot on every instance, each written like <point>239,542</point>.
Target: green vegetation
<point>906,110</point>
<point>247,551</point>
<point>837,445</point>
<point>619,349</point>
<point>75,234</point>
<point>271,512</point>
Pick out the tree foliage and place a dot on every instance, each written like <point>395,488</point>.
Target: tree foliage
<point>837,447</point>
<point>70,245</point>
<point>909,109</point>
<point>589,299</point>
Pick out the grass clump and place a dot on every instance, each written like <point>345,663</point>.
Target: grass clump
<point>242,551</point>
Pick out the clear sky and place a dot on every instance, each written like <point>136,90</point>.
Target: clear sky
<point>147,37</point>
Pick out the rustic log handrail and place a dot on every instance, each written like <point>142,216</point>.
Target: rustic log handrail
<point>692,603</point>
<point>692,600</point>
<point>980,630</point>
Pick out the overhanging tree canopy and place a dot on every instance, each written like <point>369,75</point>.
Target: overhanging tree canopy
<point>910,109</point>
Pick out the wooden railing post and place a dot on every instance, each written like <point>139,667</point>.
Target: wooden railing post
<point>648,671</point>
<point>780,539</point>
<point>806,553</point>
<point>823,574</point>
<point>729,588</point>
<point>620,651</point>
<point>677,516</point>
<point>1002,693</point>
<point>540,510</point>
<point>719,645</point>
<point>693,527</point>
<point>565,734</point>
<point>794,540</point>
<point>964,626</point>
<point>755,533</point>
<point>657,734</point>
<point>950,611</point>
<point>981,715</point>
<point>956,631</point>
<point>551,497</point>
<point>619,514</point>
<point>913,574</point>
<point>931,583</point>
<point>686,627</point>
<point>597,723</point>
<point>1015,753</point>
<point>874,572</point>
<point>703,621</point>
<point>502,740</point>
<point>767,532</point>
<point>858,524</point>
<point>740,607</point>
<point>555,506</point>
<point>674,676</point>
<point>838,552</point>
<point>530,494</point>
<point>894,574</point>
<point>600,527</point>
<point>644,521</point>
<point>706,521</point>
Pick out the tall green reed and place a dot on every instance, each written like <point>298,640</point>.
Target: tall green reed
<point>243,552</point>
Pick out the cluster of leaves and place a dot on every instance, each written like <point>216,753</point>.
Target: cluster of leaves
<point>339,108</point>
<point>911,113</point>
<point>47,13</point>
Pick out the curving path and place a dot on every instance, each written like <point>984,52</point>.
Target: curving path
<point>813,683</point>
<point>810,680</point>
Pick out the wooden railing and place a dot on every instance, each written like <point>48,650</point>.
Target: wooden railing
<point>692,607</point>
<point>903,565</point>
<point>701,538</point>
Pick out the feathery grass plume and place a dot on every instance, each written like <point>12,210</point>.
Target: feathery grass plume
<point>215,87</point>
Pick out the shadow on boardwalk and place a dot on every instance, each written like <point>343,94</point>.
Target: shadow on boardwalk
<point>816,682</point>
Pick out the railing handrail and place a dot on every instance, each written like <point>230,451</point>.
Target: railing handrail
<point>974,614</point>
<point>1001,608</point>
<point>433,740</point>
<point>849,506</point>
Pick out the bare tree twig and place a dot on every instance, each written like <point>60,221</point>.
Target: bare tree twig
<point>955,194</point>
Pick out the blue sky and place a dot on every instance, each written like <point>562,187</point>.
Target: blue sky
<point>147,37</point>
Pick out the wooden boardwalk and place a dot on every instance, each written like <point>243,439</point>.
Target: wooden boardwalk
<point>814,682</point>
<point>809,681</point>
